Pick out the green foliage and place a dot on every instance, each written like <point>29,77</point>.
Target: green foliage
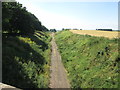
<point>53,30</point>
<point>16,19</point>
<point>26,50</point>
<point>91,62</point>
<point>26,60</point>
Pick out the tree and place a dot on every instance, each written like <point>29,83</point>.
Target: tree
<point>16,19</point>
<point>53,30</point>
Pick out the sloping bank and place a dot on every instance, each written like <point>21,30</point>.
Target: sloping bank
<point>26,60</point>
<point>91,62</point>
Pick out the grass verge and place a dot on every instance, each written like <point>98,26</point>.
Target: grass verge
<point>91,62</point>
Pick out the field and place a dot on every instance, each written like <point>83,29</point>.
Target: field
<point>108,34</point>
<point>91,62</point>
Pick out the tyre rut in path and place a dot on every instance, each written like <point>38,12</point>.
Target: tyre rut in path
<point>58,76</point>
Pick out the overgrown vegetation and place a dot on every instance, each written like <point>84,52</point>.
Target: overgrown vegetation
<point>91,62</point>
<point>25,48</point>
<point>26,60</point>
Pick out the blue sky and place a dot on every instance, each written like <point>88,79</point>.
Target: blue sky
<point>81,15</point>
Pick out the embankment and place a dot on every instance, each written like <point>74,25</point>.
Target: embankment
<point>26,60</point>
<point>91,62</point>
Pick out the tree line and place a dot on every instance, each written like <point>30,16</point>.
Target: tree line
<point>17,20</point>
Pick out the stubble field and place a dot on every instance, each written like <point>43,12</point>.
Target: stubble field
<point>108,34</point>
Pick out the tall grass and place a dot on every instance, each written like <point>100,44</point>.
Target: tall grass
<point>26,60</point>
<point>91,62</point>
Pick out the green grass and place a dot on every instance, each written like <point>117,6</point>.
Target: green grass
<point>91,62</point>
<point>26,60</point>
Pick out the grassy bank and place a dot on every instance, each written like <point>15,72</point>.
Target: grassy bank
<point>26,60</point>
<point>91,62</point>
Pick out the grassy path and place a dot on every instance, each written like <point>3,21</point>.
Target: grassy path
<point>58,74</point>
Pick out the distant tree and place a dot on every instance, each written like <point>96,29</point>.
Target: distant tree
<point>75,29</point>
<point>105,29</point>
<point>66,28</point>
<point>53,30</point>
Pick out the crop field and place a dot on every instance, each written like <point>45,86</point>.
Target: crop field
<point>108,34</point>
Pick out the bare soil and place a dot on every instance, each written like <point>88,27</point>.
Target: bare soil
<point>58,73</point>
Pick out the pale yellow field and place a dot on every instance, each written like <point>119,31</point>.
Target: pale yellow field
<point>108,34</point>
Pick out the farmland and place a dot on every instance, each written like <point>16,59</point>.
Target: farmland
<point>91,62</point>
<point>108,34</point>
<point>34,56</point>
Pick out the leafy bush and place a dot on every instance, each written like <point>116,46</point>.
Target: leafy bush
<point>91,62</point>
<point>26,60</point>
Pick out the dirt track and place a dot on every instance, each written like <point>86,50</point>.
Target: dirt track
<point>108,34</point>
<point>58,74</point>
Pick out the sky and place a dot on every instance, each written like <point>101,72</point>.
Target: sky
<point>73,14</point>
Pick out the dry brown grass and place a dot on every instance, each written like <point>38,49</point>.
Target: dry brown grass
<point>108,34</point>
